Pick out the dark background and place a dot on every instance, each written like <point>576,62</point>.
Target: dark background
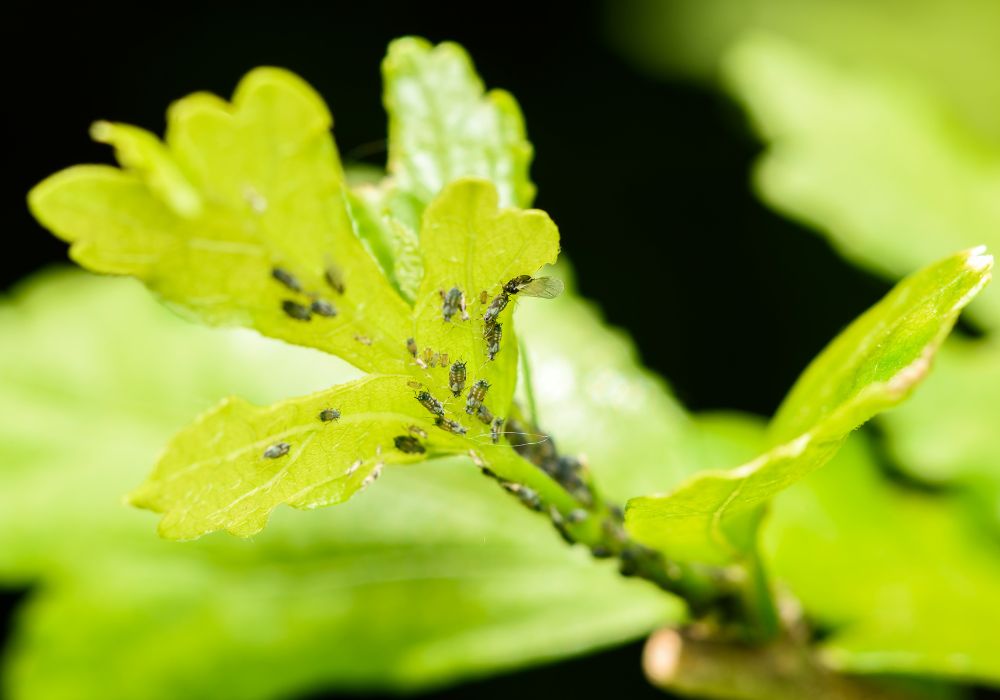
<point>647,180</point>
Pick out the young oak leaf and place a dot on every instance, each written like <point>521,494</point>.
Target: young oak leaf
<point>470,245</point>
<point>239,217</point>
<point>233,466</point>
<point>871,366</point>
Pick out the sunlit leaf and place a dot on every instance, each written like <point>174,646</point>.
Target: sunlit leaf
<point>873,365</point>
<point>239,191</point>
<point>443,126</point>
<point>875,164</point>
<point>901,581</point>
<point>434,576</point>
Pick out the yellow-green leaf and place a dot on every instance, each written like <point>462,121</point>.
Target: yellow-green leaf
<point>233,466</point>
<point>873,365</point>
<point>239,191</point>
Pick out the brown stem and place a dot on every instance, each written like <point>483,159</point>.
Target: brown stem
<point>784,669</point>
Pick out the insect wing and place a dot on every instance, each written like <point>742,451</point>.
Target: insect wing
<point>543,288</point>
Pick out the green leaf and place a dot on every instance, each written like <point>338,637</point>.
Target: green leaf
<point>238,191</point>
<point>468,243</point>
<point>873,365</point>
<point>234,465</point>
<point>947,435</point>
<point>443,126</point>
<point>322,599</point>
<point>902,581</point>
<point>873,163</point>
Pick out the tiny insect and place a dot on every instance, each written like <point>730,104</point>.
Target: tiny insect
<point>443,359</point>
<point>287,279</point>
<point>353,468</point>
<point>498,304</point>
<point>329,414</point>
<point>541,287</point>
<point>278,449</point>
<point>475,397</point>
<point>408,444</point>
<point>484,297</point>
<point>456,378</point>
<point>335,278</point>
<point>363,339</point>
<point>296,310</point>
<point>451,302</point>
<point>322,307</point>
<point>452,426</point>
<point>430,403</point>
<point>371,478</point>
<point>495,332</point>
<point>484,414</point>
<point>417,431</point>
<point>411,346</point>
<point>415,385</point>
<point>495,428</point>
<point>428,357</point>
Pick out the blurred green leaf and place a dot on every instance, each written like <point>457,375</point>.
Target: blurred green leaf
<point>443,126</point>
<point>948,434</point>
<point>238,191</point>
<point>875,164</point>
<point>948,48</point>
<point>873,365</point>
<point>902,581</point>
<point>321,599</point>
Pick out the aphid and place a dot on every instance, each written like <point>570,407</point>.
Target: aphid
<point>465,312</point>
<point>475,397</point>
<point>576,516</point>
<point>456,378</point>
<point>428,357</point>
<point>443,359</point>
<point>484,414</point>
<point>329,414</point>
<point>296,310</point>
<point>363,339</point>
<point>430,403</point>
<point>493,335</point>
<point>408,444</point>
<point>371,478</point>
<point>335,278</point>
<point>541,287</point>
<point>414,385</point>
<point>495,427</point>
<point>498,304</point>
<point>353,468</point>
<point>417,430</point>
<point>451,302</point>
<point>411,346</point>
<point>322,307</point>
<point>484,297</point>
<point>452,426</point>
<point>287,279</point>
<point>278,449</point>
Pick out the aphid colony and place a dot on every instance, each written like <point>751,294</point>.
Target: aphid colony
<point>317,306</point>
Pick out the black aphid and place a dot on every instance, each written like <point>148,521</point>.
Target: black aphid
<point>430,403</point>
<point>452,302</point>
<point>495,428</point>
<point>287,279</point>
<point>498,304</point>
<point>456,378</point>
<point>296,310</point>
<point>493,335</point>
<point>278,449</point>
<point>451,426</point>
<point>322,307</point>
<point>475,397</point>
<point>329,414</point>
<point>408,444</point>
<point>484,414</point>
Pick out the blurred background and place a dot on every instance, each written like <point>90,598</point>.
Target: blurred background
<point>635,144</point>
